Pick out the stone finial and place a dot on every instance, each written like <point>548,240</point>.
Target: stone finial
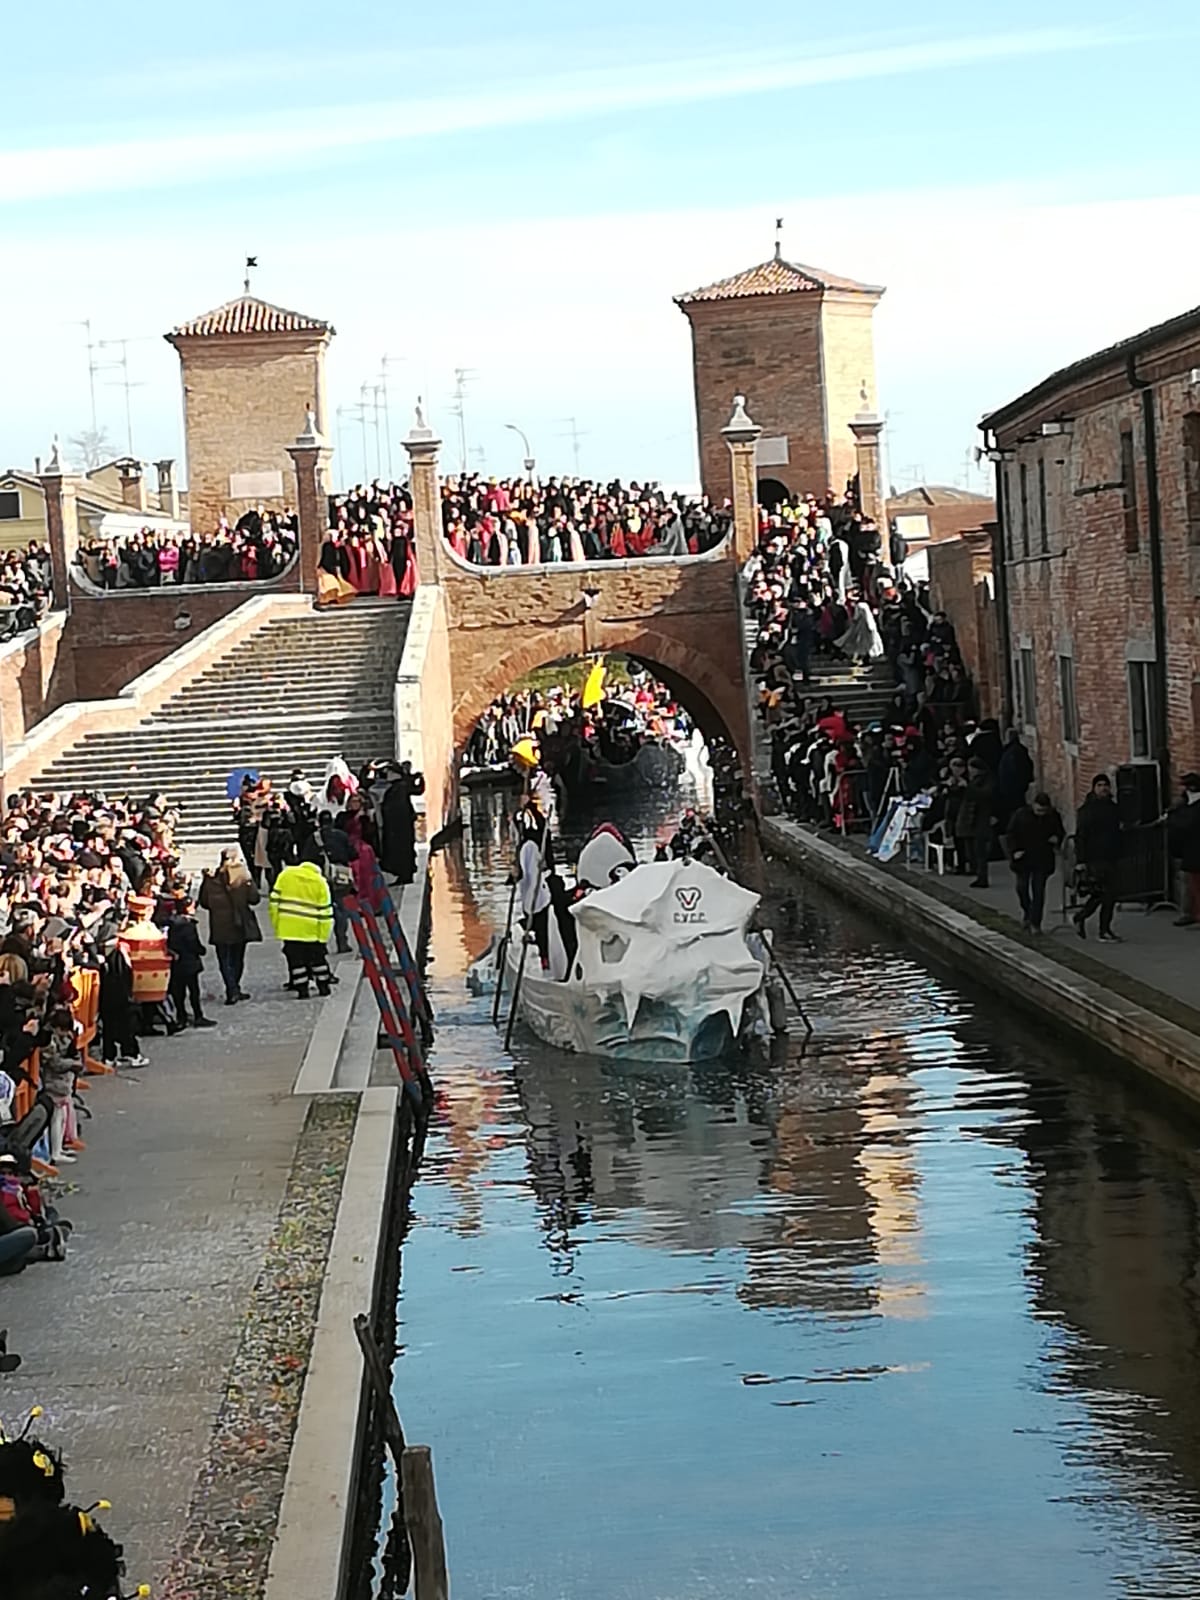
<point>309,438</point>
<point>54,467</point>
<point>420,439</point>
<point>740,429</point>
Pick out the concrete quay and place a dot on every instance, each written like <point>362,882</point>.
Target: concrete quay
<point>195,1356</point>
<point>1133,999</point>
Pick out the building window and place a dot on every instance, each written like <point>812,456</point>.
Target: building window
<point>1066,691</point>
<point>1143,709</point>
<point>1043,529</point>
<point>1004,482</point>
<point>1129,491</point>
<point>1024,510</point>
<point>10,505</point>
<point>1191,474</point>
<point>1027,685</point>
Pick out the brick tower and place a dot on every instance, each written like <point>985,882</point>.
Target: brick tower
<point>798,343</point>
<point>248,369</point>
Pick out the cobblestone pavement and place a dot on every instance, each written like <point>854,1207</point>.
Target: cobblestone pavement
<point>129,1345</point>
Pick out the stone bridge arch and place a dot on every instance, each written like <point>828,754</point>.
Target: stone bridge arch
<point>680,617</point>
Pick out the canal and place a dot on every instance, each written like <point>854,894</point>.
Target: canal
<point>911,1312</point>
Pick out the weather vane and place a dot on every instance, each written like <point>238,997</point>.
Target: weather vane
<point>251,261</point>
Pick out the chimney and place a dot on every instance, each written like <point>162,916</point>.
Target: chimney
<point>133,485</point>
<point>168,494</point>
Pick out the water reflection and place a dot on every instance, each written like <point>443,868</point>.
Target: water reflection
<point>913,1313</point>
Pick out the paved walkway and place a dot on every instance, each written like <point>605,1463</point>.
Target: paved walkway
<point>1156,964</point>
<point>1152,951</point>
<point>128,1343</point>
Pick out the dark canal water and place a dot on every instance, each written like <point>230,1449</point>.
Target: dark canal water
<point>912,1313</point>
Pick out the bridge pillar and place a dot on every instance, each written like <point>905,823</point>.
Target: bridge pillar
<point>62,526</point>
<point>310,458</point>
<point>741,435</point>
<point>866,427</point>
<point>423,445</point>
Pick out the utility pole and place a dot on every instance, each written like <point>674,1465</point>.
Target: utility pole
<point>575,435</point>
<point>86,325</point>
<point>385,363</point>
<point>121,364</point>
<point>462,376</point>
<point>370,408</point>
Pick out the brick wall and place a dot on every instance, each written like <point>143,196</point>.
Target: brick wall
<point>801,360</point>
<point>36,676</point>
<point>679,617</point>
<point>244,402</point>
<point>848,353</point>
<point>115,638</point>
<point>1082,587</point>
<point>961,585</point>
<point>768,349</point>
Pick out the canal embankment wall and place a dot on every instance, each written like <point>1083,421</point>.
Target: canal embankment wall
<point>1029,975</point>
<point>314,1537</point>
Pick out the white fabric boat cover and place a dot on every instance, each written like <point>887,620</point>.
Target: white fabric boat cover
<point>673,932</point>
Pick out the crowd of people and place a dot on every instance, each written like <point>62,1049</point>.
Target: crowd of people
<point>610,724</point>
<point>514,522</point>
<point>259,545</point>
<point>49,1548</point>
<point>370,546</point>
<point>25,588</point>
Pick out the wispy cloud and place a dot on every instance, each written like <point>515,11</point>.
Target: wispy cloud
<point>151,160</point>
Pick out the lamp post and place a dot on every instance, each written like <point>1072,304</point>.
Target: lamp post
<point>530,463</point>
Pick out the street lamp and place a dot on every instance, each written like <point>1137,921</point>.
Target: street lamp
<point>530,463</point>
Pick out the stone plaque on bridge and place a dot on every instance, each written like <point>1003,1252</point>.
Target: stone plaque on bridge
<point>256,485</point>
<point>773,452</point>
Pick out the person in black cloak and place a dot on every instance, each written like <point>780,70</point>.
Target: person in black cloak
<point>398,852</point>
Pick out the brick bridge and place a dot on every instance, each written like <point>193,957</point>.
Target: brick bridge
<point>470,635</point>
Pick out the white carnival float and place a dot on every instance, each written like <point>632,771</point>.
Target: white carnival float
<point>664,971</point>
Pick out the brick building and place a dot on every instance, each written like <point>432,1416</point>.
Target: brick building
<point>962,584</point>
<point>250,371</point>
<point>1098,490</point>
<point>798,342</point>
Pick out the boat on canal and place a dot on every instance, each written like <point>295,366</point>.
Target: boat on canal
<point>661,967</point>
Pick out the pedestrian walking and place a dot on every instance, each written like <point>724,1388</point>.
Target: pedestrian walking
<point>229,895</point>
<point>1097,851</point>
<point>1035,832</point>
<point>1183,840</point>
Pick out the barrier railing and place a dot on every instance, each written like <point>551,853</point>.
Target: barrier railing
<point>405,1014</point>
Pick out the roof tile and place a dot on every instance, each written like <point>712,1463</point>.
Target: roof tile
<point>775,276</point>
<point>248,315</point>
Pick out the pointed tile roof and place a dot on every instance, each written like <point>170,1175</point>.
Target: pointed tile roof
<point>248,314</point>
<point>775,276</point>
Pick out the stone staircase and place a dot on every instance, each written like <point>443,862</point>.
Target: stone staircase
<point>299,691</point>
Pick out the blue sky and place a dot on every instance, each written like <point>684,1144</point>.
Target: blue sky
<point>520,190</point>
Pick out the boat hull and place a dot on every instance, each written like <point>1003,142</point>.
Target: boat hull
<point>569,1016</point>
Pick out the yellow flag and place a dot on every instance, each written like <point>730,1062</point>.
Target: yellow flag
<point>593,689</point>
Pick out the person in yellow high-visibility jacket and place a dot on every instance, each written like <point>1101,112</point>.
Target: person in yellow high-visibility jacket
<point>302,917</point>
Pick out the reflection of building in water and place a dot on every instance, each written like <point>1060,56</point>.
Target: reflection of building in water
<point>466,1105</point>
<point>892,1183</point>
<point>1116,1257</point>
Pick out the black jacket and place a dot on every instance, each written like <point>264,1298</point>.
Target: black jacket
<point>1032,838</point>
<point>1097,832</point>
<point>1183,835</point>
<point>183,942</point>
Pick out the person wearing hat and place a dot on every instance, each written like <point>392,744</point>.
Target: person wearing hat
<point>1183,840</point>
<point>539,790</point>
<point>302,916</point>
